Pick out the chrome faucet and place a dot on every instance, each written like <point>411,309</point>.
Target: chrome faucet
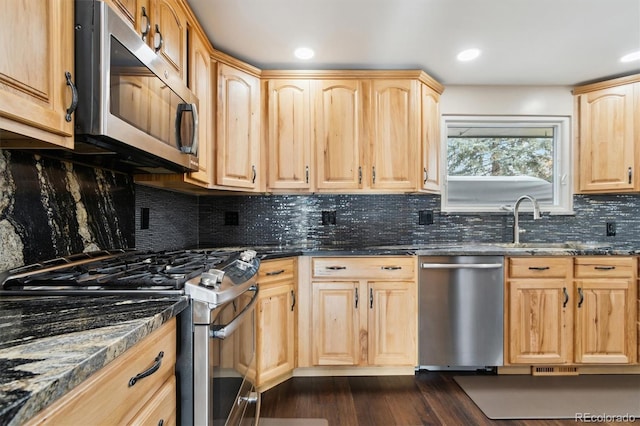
<point>516,207</point>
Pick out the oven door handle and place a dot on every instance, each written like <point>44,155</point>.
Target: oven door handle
<point>226,330</point>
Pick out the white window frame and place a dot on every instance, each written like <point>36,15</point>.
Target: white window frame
<point>563,187</point>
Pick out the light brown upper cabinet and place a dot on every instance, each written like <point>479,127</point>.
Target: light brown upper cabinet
<point>289,138</point>
<point>238,129</point>
<point>430,138</point>
<point>340,134</point>
<point>393,155</point>
<point>367,134</point>
<point>163,25</point>
<point>34,93</point>
<point>201,82</point>
<point>352,131</point>
<point>608,125</point>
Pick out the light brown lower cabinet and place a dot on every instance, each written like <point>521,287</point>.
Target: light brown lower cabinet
<point>565,310</point>
<point>106,398</point>
<point>364,311</point>
<point>275,325</point>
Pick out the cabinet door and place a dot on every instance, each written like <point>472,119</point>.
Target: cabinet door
<point>336,323</point>
<point>339,134</point>
<point>430,135</point>
<point>393,154</point>
<point>169,24</point>
<point>289,133</point>
<point>34,95</point>
<point>275,335</point>
<point>238,128</point>
<point>134,12</point>
<point>392,323</point>
<point>605,321</point>
<point>200,81</point>
<point>606,149</point>
<point>540,322</point>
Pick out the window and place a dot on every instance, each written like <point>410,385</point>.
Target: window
<point>491,161</point>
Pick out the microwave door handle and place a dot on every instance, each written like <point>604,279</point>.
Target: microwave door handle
<point>233,325</point>
<point>191,148</point>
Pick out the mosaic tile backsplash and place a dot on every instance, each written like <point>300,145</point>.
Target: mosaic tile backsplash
<point>51,208</point>
<point>363,220</point>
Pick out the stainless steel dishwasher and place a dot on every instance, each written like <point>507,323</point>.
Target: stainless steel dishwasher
<point>460,312</point>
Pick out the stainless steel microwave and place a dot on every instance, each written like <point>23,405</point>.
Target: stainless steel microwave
<point>130,104</point>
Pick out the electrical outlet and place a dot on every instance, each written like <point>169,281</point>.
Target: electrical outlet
<point>611,229</point>
<point>328,217</point>
<point>425,217</point>
<point>231,219</point>
<point>144,218</point>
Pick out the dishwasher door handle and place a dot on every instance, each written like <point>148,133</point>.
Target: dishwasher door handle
<point>461,265</point>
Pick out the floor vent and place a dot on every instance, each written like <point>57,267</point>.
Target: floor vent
<point>554,371</point>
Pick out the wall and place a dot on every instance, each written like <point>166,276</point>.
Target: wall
<point>50,208</point>
<point>364,220</point>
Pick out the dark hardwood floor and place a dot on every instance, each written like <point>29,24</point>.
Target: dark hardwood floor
<point>428,398</point>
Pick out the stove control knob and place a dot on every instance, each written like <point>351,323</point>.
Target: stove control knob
<point>248,255</point>
<point>212,278</point>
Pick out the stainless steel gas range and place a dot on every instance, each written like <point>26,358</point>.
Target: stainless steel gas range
<point>222,291</point>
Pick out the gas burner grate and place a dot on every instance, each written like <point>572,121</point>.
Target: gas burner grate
<point>115,270</point>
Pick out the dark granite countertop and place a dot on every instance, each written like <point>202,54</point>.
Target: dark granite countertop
<point>448,249</point>
<point>49,345</point>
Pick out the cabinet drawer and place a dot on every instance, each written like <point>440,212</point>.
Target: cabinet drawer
<point>277,270</point>
<point>364,267</point>
<point>539,267</point>
<point>161,409</point>
<point>608,267</point>
<point>106,398</point>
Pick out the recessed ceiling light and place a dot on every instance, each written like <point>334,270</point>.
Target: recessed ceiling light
<point>468,55</point>
<point>304,53</point>
<point>633,56</point>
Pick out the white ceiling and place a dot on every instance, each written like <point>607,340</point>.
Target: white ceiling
<point>524,42</point>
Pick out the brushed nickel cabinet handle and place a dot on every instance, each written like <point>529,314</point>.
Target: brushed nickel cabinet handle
<point>360,175</point>
<point>391,268</point>
<point>356,297</point>
<point>630,173</point>
<point>373,174</point>
<point>566,297</point>
<point>370,298</point>
<point>336,268</point>
<point>255,174</point>
<point>426,175</point>
<point>306,174</point>
<point>272,273</point>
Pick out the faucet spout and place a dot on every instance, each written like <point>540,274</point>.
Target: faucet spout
<point>516,208</point>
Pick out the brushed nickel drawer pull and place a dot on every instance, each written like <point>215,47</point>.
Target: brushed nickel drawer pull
<point>391,268</point>
<point>156,365</point>
<point>604,268</point>
<point>272,273</point>
<point>539,268</point>
<point>336,268</point>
